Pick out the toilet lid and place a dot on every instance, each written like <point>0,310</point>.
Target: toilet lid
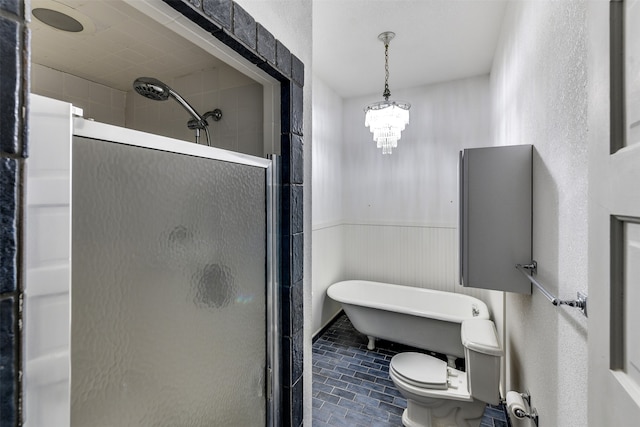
<point>420,370</point>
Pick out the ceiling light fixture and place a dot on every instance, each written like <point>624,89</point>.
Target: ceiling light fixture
<point>386,119</point>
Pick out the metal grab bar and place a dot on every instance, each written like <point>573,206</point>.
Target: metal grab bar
<point>530,269</point>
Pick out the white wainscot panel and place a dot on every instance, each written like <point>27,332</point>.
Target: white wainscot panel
<point>421,256</point>
<point>327,268</point>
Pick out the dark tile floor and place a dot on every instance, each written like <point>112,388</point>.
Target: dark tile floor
<point>351,385</point>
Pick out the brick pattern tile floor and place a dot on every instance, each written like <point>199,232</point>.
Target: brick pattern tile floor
<point>351,384</point>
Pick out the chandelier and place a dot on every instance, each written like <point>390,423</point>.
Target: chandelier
<point>386,119</point>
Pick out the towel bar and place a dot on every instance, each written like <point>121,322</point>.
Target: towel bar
<point>529,270</point>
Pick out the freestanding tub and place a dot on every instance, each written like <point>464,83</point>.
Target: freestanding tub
<point>422,318</point>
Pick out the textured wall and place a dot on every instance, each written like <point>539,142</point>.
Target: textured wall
<point>418,182</point>
<point>538,85</point>
<point>327,154</point>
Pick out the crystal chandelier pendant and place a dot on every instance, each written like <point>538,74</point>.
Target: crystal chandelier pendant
<point>386,119</point>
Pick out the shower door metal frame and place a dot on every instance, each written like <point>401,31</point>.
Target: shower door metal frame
<point>119,135</point>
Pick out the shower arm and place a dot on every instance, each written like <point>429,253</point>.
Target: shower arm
<point>198,121</point>
<point>206,131</point>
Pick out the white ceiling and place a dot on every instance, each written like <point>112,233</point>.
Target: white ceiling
<point>119,44</point>
<point>436,40</point>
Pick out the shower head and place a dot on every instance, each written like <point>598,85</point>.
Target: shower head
<point>156,90</point>
<point>152,88</point>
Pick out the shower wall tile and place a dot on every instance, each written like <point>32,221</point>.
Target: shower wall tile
<point>266,44</point>
<point>250,108</point>
<point>9,179</point>
<point>10,84</point>
<point>244,26</point>
<point>230,78</point>
<point>97,92</point>
<point>75,87</point>
<point>46,79</point>
<point>211,80</point>
<point>219,11</point>
<point>99,102</point>
<point>8,373</point>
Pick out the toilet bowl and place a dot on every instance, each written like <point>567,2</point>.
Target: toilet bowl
<point>441,396</point>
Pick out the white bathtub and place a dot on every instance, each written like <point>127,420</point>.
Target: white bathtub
<point>422,318</point>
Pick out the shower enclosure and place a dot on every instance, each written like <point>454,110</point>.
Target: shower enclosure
<point>172,280</point>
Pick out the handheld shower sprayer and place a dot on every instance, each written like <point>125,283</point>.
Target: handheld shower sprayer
<point>156,90</point>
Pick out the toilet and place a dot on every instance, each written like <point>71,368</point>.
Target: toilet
<point>441,396</point>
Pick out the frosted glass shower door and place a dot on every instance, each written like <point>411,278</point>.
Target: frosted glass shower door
<point>169,289</point>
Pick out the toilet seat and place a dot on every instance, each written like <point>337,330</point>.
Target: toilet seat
<point>420,370</point>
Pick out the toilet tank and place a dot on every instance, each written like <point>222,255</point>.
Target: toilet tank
<point>482,359</point>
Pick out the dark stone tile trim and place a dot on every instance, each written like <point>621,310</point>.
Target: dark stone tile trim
<point>220,10</point>
<point>12,6</point>
<point>195,14</point>
<point>297,70</point>
<point>9,338</point>
<point>15,81</point>
<point>9,233</point>
<point>249,49</point>
<point>244,27</point>
<point>266,44</point>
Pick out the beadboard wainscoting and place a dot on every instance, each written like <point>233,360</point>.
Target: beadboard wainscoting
<point>415,255</point>
<point>327,264</point>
